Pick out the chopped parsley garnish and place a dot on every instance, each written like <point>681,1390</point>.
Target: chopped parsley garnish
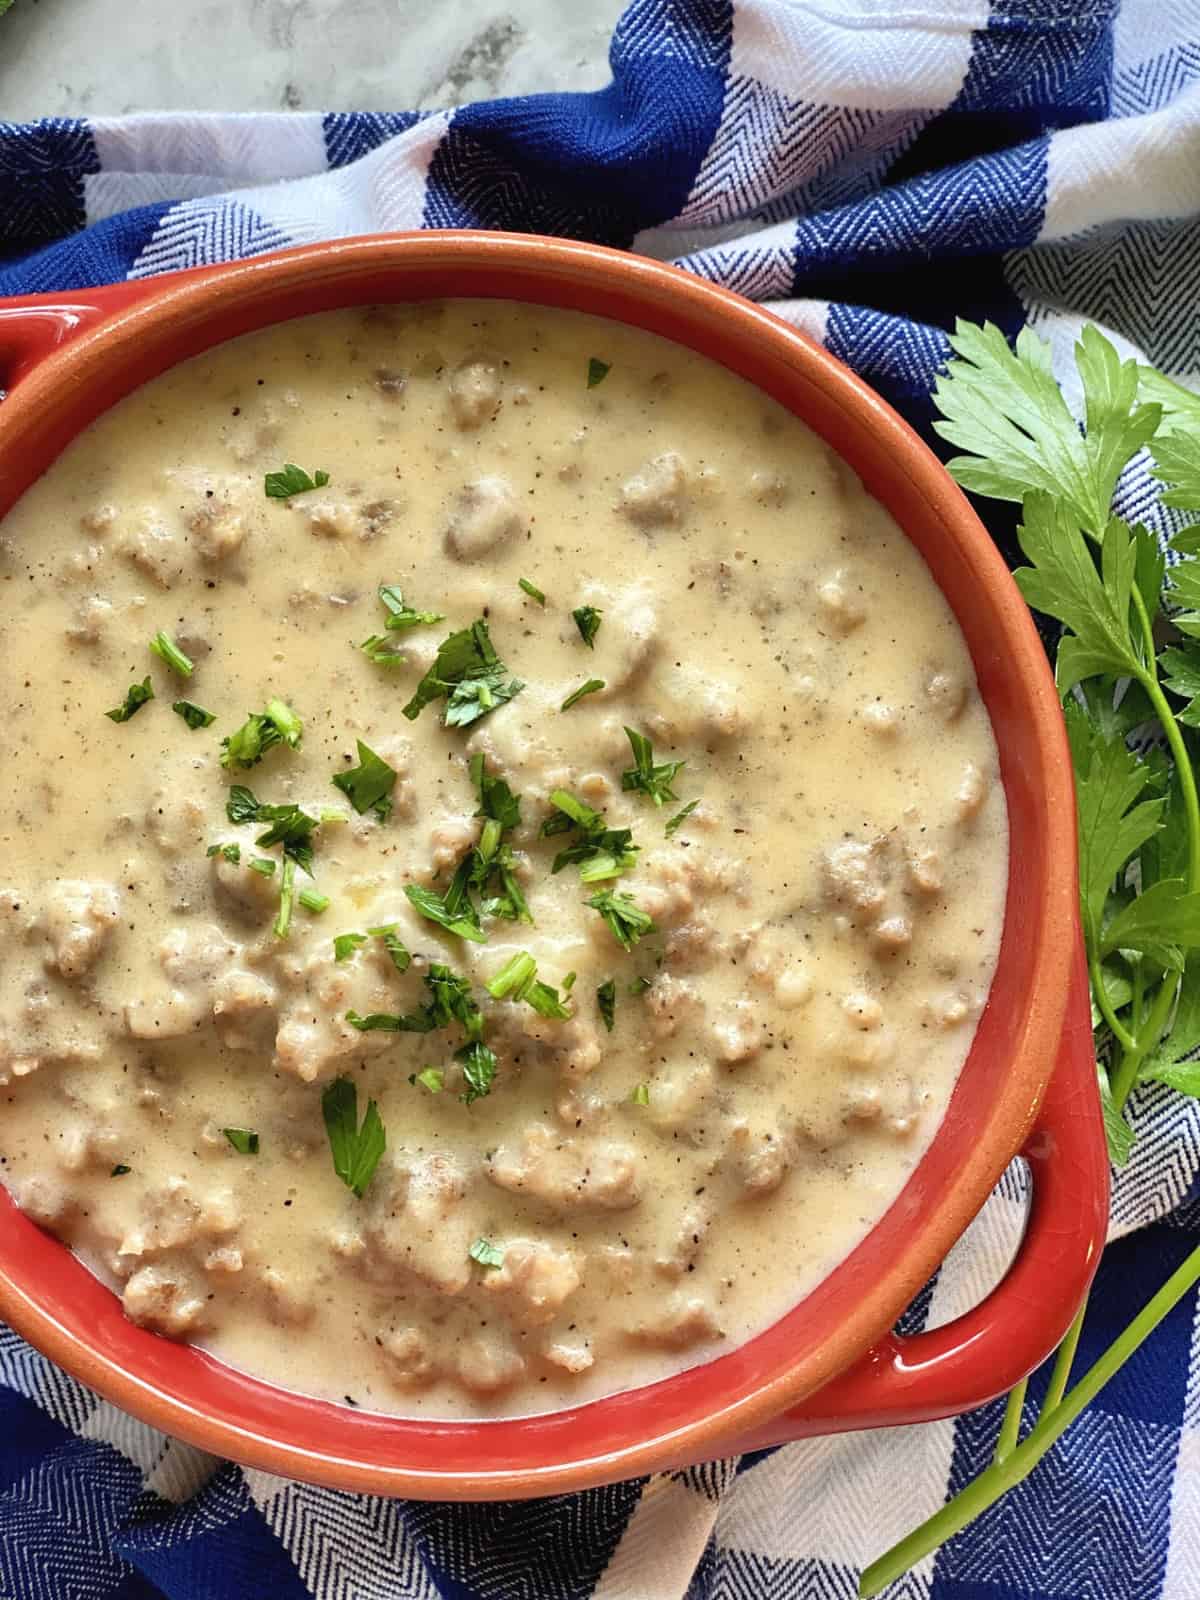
<point>262,731</point>
<point>136,697</point>
<point>639,986</point>
<point>479,1070</point>
<point>314,902</point>
<point>641,1095</point>
<point>195,716</point>
<point>599,852</point>
<point>293,829</point>
<point>293,480</point>
<point>597,371</point>
<point>592,686</point>
<point>263,865</point>
<point>356,1151</point>
<point>241,805</point>
<point>532,590</point>
<point>468,675</point>
<point>389,1022</point>
<point>455,910</point>
<point>243,1140</point>
<point>486,1253</point>
<point>393,944</point>
<point>680,818</point>
<point>517,980</point>
<point>587,620</point>
<point>228,852</point>
<point>626,920</point>
<point>450,1001</point>
<point>165,648</point>
<point>380,650</point>
<point>345,944</point>
<point>606,1000</point>
<point>431,1078</point>
<point>287,891</point>
<point>651,780</point>
<point>403,616</point>
<point>369,785</point>
<point>120,1170</point>
<point>496,800</point>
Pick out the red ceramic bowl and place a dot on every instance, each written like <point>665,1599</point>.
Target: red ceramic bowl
<point>1028,1085</point>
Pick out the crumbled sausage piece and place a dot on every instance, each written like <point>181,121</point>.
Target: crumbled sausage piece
<point>288,1302</point>
<point>176,818</point>
<point>863,1010</point>
<point>225,1259</point>
<point>328,518</point>
<point>793,988</point>
<point>693,945</point>
<point>475,393</point>
<point>693,706</point>
<point>173,1216</point>
<point>450,839</point>
<point>679,1091</point>
<point>924,870</point>
<point>572,1354</point>
<point>761,1161</point>
<point>487,1362</point>
<point>684,1248</point>
<point>92,618</point>
<point>738,1033</point>
<point>216,528</point>
<point>629,633</point>
<point>656,497</point>
<point>971,793</point>
<point>408,1357</point>
<point>50,1203</point>
<point>390,382</point>
<point>947,694</point>
<point>568,1173</point>
<point>537,1277</point>
<point>668,1002</point>
<point>891,934</point>
<point>80,916</point>
<point>417,1221</point>
<point>685,1319</point>
<point>244,1009</point>
<point>155,551</point>
<point>880,719</point>
<point>854,874</point>
<point>485,517</point>
<point>840,602</point>
<point>169,1016</point>
<point>165,1298</point>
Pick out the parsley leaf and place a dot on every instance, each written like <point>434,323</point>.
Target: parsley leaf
<point>453,911</point>
<point>431,1078</point>
<point>532,590</point>
<point>1177,462</point>
<point>293,829</point>
<point>479,1070</point>
<point>606,1001</point>
<point>165,648</point>
<point>243,1140</point>
<point>517,980</point>
<point>592,686</point>
<point>381,651</point>
<point>468,675</point>
<point>229,852</point>
<point>597,371</point>
<point>241,805</point>
<point>1161,923</point>
<point>120,1170</point>
<point>401,615</point>
<point>486,1253</point>
<point>1064,583</point>
<point>680,818</point>
<point>345,944</point>
<point>450,1001</point>
<point>262,731</point>
<point>1006,409</point>
<point>136,697</point>
<point>293,480</point>
<point>369,785</point>
<point>626,921</point>
<point>1168,1063</point>
<point>195,716</point>
<point>356,1151</point>
<point>599,852</point>
<point>641,1094</point>
<point>263,865</point>
<point>651,780</point>
<point>393,944</point>
<point>587,620</point>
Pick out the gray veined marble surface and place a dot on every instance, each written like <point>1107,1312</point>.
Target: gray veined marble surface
<point>79,57</point>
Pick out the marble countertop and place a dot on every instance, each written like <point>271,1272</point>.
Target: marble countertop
<point>72,57</point>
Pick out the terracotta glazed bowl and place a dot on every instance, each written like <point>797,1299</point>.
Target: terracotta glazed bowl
<point>1028,1084</point>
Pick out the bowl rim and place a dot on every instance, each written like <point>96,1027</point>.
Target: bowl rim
<point>137,321</point>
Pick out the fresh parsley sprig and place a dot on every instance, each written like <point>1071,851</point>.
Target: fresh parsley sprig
<point>356,1150</point>
<point>1138,815</point>
<point>469,675</point>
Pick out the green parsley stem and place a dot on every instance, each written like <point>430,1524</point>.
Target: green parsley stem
<point>997,1479</point>
<point>1126,1074</point>
<point>1063,1361</point>
<point>1010,1429</point>
<point>1104,1005</point>
<point>1174,738</point>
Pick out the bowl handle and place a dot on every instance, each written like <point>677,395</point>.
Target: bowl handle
<point>954,1368</point>
<point>32,326</point>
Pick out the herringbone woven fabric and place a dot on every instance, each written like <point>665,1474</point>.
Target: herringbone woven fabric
<point>872,169</point>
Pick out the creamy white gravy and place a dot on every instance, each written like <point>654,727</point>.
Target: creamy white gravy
<point>826,920</point>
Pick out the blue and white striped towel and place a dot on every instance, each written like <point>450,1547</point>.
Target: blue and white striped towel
<point>872,169</point>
